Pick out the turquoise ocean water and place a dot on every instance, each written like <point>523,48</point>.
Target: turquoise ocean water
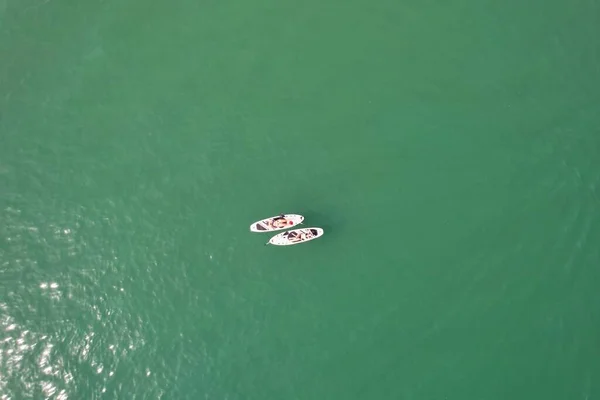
<point>450,150</point>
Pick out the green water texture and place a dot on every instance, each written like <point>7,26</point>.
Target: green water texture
<point>450,150</point>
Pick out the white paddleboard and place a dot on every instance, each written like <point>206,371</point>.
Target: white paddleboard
<point>277,223</point>
<point>296,236</point>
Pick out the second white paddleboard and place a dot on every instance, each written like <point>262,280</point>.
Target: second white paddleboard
<point>296,236</point>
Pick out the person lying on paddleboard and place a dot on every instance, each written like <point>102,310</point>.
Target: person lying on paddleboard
<point>295,237</point>
<point>281,222</point>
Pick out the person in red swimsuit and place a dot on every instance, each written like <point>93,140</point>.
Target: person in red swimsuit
<point>281,222</point>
